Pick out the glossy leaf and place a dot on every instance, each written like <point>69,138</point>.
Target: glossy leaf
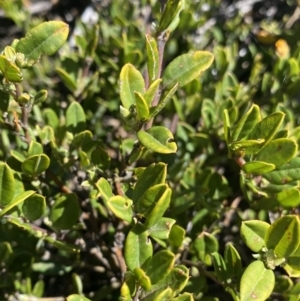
<point>151,91</point>
<point>35,165</point>
<point>34,207</point>
<point>142,278</point>
<point>232,260</point>
<point>45,38</point>
<point>253,233</point>
<point>75,118</point>
<point>286,173</point>
<point>162,228</point>
<point>176,236</point>
<point>246,123</point>
<point>131,81</point>
<point>278,151</point>
<point>35,148</point>
<point>257,167</point>
<point>138,248</point>
<point>65,211</point>
<point>155,212</point>
<point>7,184</point>
<point>75,297</point>
<point>152,58</point>
<point>121,207</point>
<point>185,68</point>
<point>142,108</point>
<point>154,174</point>
<point>265,129</point>
<point>289,197</point>
<point>158,139</point>
<point>283,236</point>
<point>257,282</point>
<point>184,297</point>
<point>219,266</point>
<point>10,71</point>
<point>16,201</point>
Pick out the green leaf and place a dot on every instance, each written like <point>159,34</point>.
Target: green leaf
<point>286,173</point>
<point>152,58</point>
<point>104,188</point>
<point>257,282</point>
<point>6,252</point>
<point>233,261</point>
<point>257,167</point>
<point>176,236</point>
<point>67,79</point>
<point>162,228</point>
<point>75,297</point>
<point>158,139</point>
<point>34,207</point>
<point>185,68</point>
<point>220,267</point>
<point>138,248</point>
<point>38,289</point>
<point>289,198</point>
<point>100,158</point>
<point>226,121</point>
<point>121,207</point>
<point>152,175</point>
<point>62,245</point>
<point>128,287</point>
<point>155,212</point>
<point>142,279</point>
<point>166,96</point>
<point>45,38</point>
<point>283,236</point>
<point>35,148</point>
<point>253,233</point>
<point>65,211</point>
<point>293,260</point>
<point>16,201</point>
<point>165,295</point>
<point>278,151</point>
<point>168,15</point>
<point>35,165</point>
<point>131,81</point>
<point>7,184</point>
<point>184,297</point>
<point>246,123</point>
<point>142,108</point>
<point>204,245</point>
<point>75,118</point>
<point>10,71</point>
<point>265,129</point>
<point>151,91</point>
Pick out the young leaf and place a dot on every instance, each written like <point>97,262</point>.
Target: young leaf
<point>232,260</point>
<point>226,121</point>
<point>220,267</point>
<point>45,38</point>
<point>158,139</point>
<point>121,207</point>
<point>7,184</point>
<point>283,236</point>
<point>35,165</point>
<point>151,91</point>
<point>34,207</point>
<point>35,148</point>
<point>185,68</point>
<point>65,211</point>
<point>246,123</point>
<point>75,118</point>
<point>138,248</point>
<point>289,198</point>
<point>257,167</point>
<point>253,283</point>
<point>162,228</point>
<point>142,108</point>
<point>152,58</point>
<point>176,236</point>
<point>169,14</point>
<point>142,279</point>
<point>253,233</point>
<point>131,80</point>
<point>278,151</point>
<point>10,71</point>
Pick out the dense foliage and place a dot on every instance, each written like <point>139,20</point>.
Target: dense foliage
<point>151,153</point>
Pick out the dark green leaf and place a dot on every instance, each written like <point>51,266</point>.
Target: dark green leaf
<point>35,165</point>
<point>34,207</point>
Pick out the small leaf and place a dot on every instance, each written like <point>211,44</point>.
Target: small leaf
<point>184,297</point>
<point>67,79</point>
<point>131,81</point>
<point>34,207</point>
<point>293,260</point>
<point>257,282</point>
<point>246,123</point>
<point>142,279</point>
<point>165,295</point>
<point>75,118</point>
<point>168,14</point>
<point>219,266</point>
<point>233,261</point>
<point>185,68</point>
<point>121,207</point>
<point>253,234</point>
<point>152,58</point>
<point>35,165</point>
<point>10,71</point>
<point>65,211</point>
<point>7,184</point>
<point>158,139</point>
<point>75,297</point>
<point>45,38</point>
<point>104,188</point>
<point>162,228</point>
<point>176,236</point>
<point>257,167</point>
<point>151,91</point>
<point>142,108</point>
<point>226,121</point>
<point>38,289</point>
<point>283,236</point>
<point>289,197</point>
<point>278,151</point>
<point>35,148</point>
<point>138,248</point>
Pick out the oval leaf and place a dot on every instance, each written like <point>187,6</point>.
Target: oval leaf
<point>10,71</point>
<point>257,167</point>
<point>35,165</point>
<point>289,198</point>
<point>162,228</point>
<point>121,207</point>
<point>283,236</point>
<point>75,118</point>
<point>257,282</point>
<point>34,207</point>
<point>45,38</point>
<point>7,184</point>
<point>158,139</point>
<point>142,108</point>
<point>185,68</point>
